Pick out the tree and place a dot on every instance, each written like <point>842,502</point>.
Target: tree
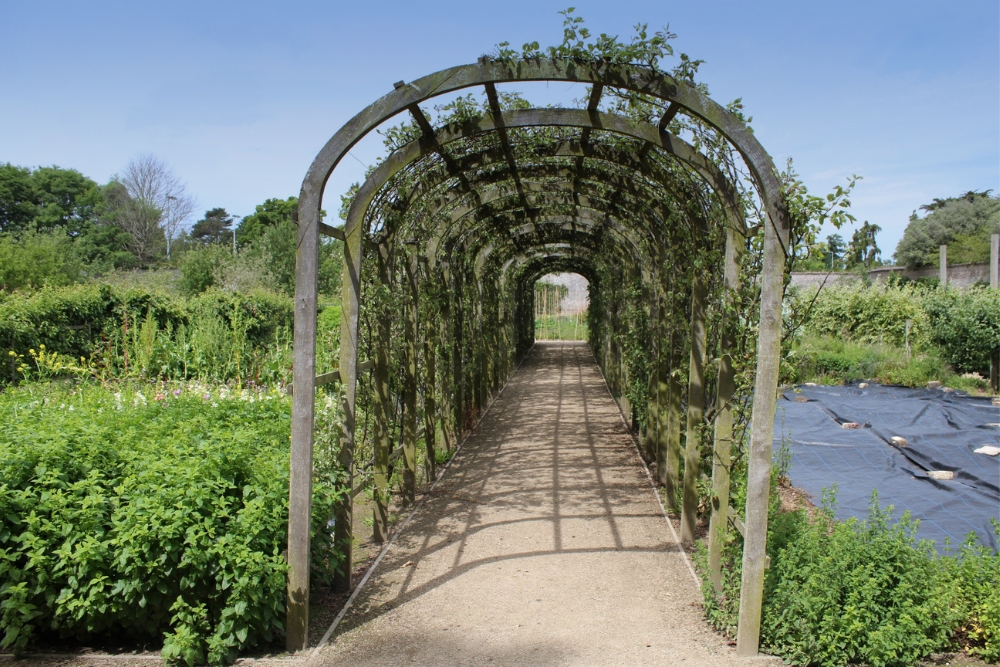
<point>154,189</point>
<point>65,199</point>
<point>215,227</point>
<point>835,248</point>
<point>138,218</point>
<point>268,237</point>
<point>17,198</point>
<point>964,223</point>
<point>271,213</point>
<point>863,251</point>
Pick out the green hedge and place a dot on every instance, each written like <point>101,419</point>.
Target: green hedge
<point>963,325</point>
<point>152,513</point>
<point>966,325</point>
<point>875,314</point>
<point>131,332</point>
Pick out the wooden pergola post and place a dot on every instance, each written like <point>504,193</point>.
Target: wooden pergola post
<point>762,430</point>
<point>943,265</point>
<point>430,404</point>
<point>674,389</point>
<point>458,372</point>
<point>995,284</point>
<point>652,387</point>
<point>410,383</point>
<point>696,407</point>
<point>479,380</point>
<point>662,393</point>
<point>723,437</point>
<point>380,473</point>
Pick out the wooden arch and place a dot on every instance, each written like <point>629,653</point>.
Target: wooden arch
<point>679,97</point>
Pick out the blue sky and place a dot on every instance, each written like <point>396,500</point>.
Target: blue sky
<point>239,97</point>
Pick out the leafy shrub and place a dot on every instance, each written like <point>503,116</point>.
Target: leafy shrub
<point>976,572</point>
<point>875,314</point>
<point>829,359</point>
<point>149,517</point>
<point>861,592</point>
<point>966,324</point>
<point>857,592</point>
<point>138,333</point>
<point>856,332</point>
<point>33,259</point>
<point>199,267</point>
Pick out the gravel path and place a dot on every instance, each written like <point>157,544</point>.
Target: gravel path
<point>544,544</point>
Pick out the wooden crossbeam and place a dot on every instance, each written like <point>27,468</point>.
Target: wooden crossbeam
<point>668,115</point>
<point>595,99</point>
<point>334,375</point>
<point>421,119</point>
<point>335,232</point>
<point>428,132</point>
<point>595,96</point>
<point>508,151</point>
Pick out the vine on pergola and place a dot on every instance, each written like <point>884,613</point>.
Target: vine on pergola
<point>663,200</point>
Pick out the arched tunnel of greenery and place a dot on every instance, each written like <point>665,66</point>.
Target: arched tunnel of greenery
<point>659,197</point>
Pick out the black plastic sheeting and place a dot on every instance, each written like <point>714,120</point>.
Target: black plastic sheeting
<point>942,429</point>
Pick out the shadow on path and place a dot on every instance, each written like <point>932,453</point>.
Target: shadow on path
<point>544,544</point>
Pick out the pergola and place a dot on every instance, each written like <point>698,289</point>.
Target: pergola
<point>446,238</point>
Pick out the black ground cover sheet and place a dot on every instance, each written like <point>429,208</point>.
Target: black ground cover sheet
<point>942,430</point>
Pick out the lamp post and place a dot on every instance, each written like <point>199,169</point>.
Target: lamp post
<point>169,198</point>
<point>235,218</point>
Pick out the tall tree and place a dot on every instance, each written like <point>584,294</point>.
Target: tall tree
<point>65,199</point>
<point>138,218</point>
<point>272,213</point>
<point>215,227</point>
<point>17,198</point>
<point>863,251</point>
<point>964,223</point>
<point>152,186</point>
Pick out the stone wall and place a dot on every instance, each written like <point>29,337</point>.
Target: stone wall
<point>959,275</point>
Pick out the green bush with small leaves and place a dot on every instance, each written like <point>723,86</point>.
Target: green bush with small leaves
<point>155,513</point>
<point>966,325</point>
<point>975,571</point>
<point>862,592</point>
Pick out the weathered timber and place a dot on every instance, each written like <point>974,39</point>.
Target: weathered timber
<point>430,404</point>
<point>518,248</point>
<point>410,383</point>
<point>761,433</point>
<point>723,436</point>
<point>995,284</point>
<point>696,407</point>
<point>380,473</point>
